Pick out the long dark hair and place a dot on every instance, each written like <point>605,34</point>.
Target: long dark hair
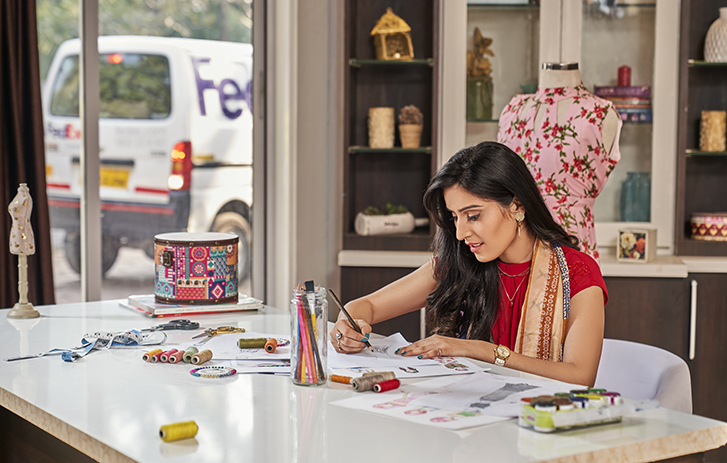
<point>467,288</point>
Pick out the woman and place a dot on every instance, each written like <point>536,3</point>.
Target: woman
<point>507,286</point>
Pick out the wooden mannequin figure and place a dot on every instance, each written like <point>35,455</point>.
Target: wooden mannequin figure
<point>22,244</point>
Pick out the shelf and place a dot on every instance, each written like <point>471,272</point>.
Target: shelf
<point>705,153</point>
<point>485,121</point>
<point>475,4</point>
<point>704,64</point>
<point>419,240</point>
<point>396,149</point>
<point>357,63</point>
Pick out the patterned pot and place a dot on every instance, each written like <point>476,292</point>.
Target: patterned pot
<point>715,45</point>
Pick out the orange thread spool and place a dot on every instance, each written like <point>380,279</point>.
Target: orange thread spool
<point>271,345</point>
<point>341,379</point>
<point>147,357</point>
<point>202,357</point>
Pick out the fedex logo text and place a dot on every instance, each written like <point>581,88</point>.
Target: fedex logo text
<point>67,131</point>
<point>227,89</point>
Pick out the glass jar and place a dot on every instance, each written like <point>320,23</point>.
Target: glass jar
<point>308,337</point>
<point>636,197</point>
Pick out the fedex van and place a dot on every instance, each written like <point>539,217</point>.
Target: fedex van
<point>175,136</point>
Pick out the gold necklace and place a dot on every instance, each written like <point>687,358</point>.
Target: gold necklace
<point>511,300</point>
<point>513,276</point>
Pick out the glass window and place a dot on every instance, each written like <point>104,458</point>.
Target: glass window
<point>131,86</point>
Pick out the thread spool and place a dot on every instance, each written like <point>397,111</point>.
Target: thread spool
<point>155,357</point>
<point>164,357</point>
<point>189,353</point>
<point>366,383</point>
<point>251,343</point>
<point>387,385</point>
<point>176,357</point>
<point>341,379</point>
<point>201,357</point>
<point>271,345</point>
<point>178,431</point>
<point>147,357</point>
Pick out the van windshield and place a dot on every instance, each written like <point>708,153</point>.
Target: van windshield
<point>131,86</point>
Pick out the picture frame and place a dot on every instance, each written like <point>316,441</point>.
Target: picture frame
<point>636,245</point>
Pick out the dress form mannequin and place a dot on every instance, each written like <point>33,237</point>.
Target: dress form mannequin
<point>568,138</point>
<point>553,75</point>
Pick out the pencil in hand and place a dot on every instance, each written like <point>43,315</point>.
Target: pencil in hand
<point>353,323</point>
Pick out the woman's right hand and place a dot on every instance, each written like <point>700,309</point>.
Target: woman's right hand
<point>346,340</point>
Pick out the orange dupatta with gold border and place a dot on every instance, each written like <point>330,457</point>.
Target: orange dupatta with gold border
<point>541,332</point>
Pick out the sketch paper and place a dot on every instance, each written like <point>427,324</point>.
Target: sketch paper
<point>277,367</point>
<point>383,355</point>
<point>492,394</point>
<point>224,347</point>
<point>463,402</point>
<point>443,366</point>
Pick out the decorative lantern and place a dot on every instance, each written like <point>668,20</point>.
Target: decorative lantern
<point>392,38</point>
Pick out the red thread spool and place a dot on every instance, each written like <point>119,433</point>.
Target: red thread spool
<point>271,345</point>
<point>624,76</point>
<point>386,385</point>
<point>156,357</point>
<point>164,358</point>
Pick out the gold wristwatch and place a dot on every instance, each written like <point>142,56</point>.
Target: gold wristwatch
<point>502,353</point>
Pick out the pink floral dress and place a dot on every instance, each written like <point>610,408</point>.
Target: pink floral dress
<point>568,160</point>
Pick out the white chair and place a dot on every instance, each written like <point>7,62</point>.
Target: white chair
<point>639,371</point>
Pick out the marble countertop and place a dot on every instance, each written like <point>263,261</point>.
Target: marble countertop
<point>110,405</point>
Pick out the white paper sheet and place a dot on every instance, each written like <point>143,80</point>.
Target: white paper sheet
<point>456,402</point>
<point>382,356</point>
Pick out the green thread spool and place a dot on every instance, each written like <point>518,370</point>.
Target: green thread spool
<point>189,353</point>
<point>251,343</point>
<point>178,431</point>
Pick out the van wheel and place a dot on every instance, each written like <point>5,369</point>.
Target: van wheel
<point>109,249</point>
<point>232,222</point>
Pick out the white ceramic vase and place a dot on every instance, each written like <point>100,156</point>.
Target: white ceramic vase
<point>715,45</point>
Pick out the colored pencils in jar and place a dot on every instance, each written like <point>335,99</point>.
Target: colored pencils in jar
<point>309,367</point>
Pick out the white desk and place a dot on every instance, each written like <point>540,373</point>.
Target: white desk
<point>110,405</point>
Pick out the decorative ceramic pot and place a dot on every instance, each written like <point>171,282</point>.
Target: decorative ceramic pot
<point>715,45</point>
<point>410,134</point>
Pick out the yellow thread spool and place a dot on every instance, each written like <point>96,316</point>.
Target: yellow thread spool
<point>189,353</point>
<point>147,357</point>
<point>177,431</point>
<point>202,357</point>
<point>251,343</point>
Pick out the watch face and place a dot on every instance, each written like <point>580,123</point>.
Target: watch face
<point>503,352</point>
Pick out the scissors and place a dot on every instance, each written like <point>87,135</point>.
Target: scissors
<point>174,325</point>
<point>210,332</point>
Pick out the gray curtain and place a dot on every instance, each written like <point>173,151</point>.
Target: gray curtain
<point>22,150</point>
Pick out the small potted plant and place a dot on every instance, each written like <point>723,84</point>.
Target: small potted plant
<point>392,220</point>
<point>410,126</point>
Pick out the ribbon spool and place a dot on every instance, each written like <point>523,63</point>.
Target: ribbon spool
<point>271,345</point>
<point>201,357</point>
<point>177,431</point>
<point>164,357</point>
<point>251,343</point>
<point>387,385</point>
<point>147,357</point>
<point>189,353</point>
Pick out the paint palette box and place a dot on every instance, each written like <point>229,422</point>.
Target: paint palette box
<point>578,408</point>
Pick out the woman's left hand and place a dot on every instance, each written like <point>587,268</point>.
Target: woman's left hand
<point>435,346</point>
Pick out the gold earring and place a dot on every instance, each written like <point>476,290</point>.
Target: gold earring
<point>519,217</point>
